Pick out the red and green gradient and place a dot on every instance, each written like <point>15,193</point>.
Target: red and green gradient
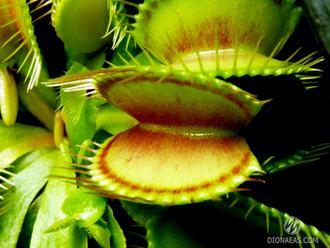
<point>187,147</point>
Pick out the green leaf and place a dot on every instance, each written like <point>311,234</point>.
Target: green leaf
<point>27,184</point>
<point>26,160</point>
<point>20,139</point>
<point>62,224</point>
<point>80,113</point>
<point>55,193</point>
<point>118,239</point>
<point>141,213</point>
<point>298,158</point>
<point>82,208</point>
<point>100,232</point>
<point>265,218</point>
<point>30,218</point>
<point>89,207</point>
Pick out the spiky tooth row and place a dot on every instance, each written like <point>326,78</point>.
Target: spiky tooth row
<point>19,44</point>
<point>238,52</point>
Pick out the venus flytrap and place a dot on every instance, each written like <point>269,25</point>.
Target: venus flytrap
<point>301,157</point>
<point>86,39</point>
<point>229,41</point>
<point>193,135</point>
<point>189,116</point>
<point>160,223</point>
<point>145,92</point>
<point>89,116</point>
<point>168,125</point>
<point>17,34</point>
<point>77,32</point>
<point>19,47</point>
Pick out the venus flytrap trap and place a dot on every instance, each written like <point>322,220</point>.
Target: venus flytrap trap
<point>228,41</point>
<point>189,120</point>
<point>86,39</point>
<point>160,223</point>
<point>75,30</point>
<point>82,37</point>
<point>168,125</point>
<point>16,35</point>
<point>302,156</point>
<point>192,137</point>
<point>20,52</point>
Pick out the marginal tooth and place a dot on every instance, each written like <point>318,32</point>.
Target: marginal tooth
<point>128,3</point>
